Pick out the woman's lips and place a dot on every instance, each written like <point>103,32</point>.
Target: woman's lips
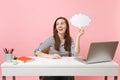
<point>60,29</point>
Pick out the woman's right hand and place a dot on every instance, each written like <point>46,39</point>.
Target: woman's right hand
<point>81,32</point>
<point>54,56</point>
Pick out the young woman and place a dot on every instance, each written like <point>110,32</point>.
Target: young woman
<point>60,44</point>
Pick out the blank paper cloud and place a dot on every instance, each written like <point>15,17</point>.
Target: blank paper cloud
<point>80,20</point>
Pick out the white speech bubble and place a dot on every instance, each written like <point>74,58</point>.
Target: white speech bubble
<point>80,20</point>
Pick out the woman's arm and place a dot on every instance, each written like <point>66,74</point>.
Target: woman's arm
<point>77,45</point>
<point>42,54</point>
<point>41,50</point>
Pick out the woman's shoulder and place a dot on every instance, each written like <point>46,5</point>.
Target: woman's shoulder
<point>51,38</point>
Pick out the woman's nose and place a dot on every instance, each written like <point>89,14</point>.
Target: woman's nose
<point>59,25</point>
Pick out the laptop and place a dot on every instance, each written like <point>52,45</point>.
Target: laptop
<point>100,52</point>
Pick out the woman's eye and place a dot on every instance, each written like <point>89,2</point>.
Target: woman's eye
<point>56,23</point>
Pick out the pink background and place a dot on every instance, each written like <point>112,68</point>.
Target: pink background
<point>26,23</point>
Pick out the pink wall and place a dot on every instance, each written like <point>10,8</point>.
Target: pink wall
<point>26,23</point>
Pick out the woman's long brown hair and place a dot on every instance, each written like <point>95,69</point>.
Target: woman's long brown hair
<point>67,44</point>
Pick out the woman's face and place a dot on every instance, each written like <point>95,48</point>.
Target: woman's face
<point>61,26</point>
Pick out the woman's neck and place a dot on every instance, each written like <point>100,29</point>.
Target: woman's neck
<point>62,39</point>
<point>61,36</point>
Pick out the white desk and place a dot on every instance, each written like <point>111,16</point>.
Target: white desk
<point>67,66</point>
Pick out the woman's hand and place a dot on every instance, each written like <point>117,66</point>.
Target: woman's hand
<point>81,32</point>
<point>54,56</point>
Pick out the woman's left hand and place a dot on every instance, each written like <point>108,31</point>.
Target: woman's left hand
<point>81,32</point>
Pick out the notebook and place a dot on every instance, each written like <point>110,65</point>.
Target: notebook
<point>25,59</point>
<point>100,52</point>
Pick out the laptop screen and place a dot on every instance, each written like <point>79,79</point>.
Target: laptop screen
<point>101,51</point>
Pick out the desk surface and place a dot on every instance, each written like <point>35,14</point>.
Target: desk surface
<point>64,66</point>
<point>63,62</point>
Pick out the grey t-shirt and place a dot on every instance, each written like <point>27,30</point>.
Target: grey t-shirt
<point>49,43</point>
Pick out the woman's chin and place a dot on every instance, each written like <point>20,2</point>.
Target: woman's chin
<point>61,32</point>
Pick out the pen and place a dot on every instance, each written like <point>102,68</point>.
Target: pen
<point>11,51</point>
<point>5,50</point>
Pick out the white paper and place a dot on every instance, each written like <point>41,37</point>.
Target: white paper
<point>80,20</point>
